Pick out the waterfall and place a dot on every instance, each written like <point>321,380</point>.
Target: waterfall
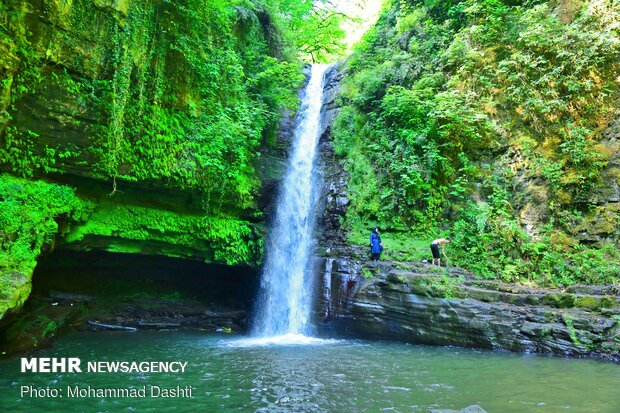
<point>285,297</point>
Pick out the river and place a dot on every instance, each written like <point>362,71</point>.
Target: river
<point>231,373</point>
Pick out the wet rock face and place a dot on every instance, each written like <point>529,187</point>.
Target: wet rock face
<point>333,76</point>
<point>274,158</point>
<point>335,195</point>
<point>414,303</point>
<point>339,262</point>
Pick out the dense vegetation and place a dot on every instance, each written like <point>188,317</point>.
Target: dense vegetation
<point>487,120</point>
<point>177,97</point>
<point>181,94</point>
<point>27,218</point>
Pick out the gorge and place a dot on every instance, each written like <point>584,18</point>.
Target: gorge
<point>177,170</point>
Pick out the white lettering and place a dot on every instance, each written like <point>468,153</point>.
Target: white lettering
<point>44,365</point>
<point>51,365</point>
<point>74,365</point>
<point>29,365</point>
<point>134,366</point>
<point>30,391</point>
<point>59,365</point>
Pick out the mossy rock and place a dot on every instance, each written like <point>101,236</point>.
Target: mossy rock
<point>420,289</point>
<point>487,296</point>
<point>602,222</point>
<point>397,278</point>
<point>559,300</point>
<point>595,303</point>
<point>517,299</point>
<point>14,293</point>
<point>532,299</point>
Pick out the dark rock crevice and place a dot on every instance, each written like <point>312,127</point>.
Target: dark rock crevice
<point>144,292</point>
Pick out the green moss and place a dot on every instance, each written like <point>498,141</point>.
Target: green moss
<point>559,300</point>
<point>595,302</point>
<point>30,212</point>
<point>34,215</point>
<point>485,295</point>
<point>48,327</point>
<point>586,302</point>
<point>532,300</point>
<point>14,292</point>
<point>445,286</point>
<point>135,229</point>
<point>367,273</point>
<point>603,221</point>
<point>578,337</point>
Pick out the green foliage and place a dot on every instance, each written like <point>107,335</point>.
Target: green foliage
<point>202,129</point>
<point>178,95</point>
<point>366,273</point>
<point>184,94</point>
<point>457,114</point>
<point>16,50</point>
<point>135,229</point>
<point>28,218</point>
<point>33,214</point>
<point>30,213</point>
<point>445,285</point>
<point>312,28</point>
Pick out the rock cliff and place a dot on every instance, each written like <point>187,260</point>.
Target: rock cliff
<point>418,303</point>
<point>136,126</point>
<point>415,303</point>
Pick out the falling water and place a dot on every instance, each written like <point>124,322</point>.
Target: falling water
<point>285,297</point>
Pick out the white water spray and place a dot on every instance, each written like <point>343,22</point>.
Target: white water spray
<point>285,297</point>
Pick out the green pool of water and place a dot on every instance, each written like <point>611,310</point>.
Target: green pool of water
<point>333,376</point>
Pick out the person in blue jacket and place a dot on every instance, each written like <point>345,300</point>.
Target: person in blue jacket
<point>375,245</point>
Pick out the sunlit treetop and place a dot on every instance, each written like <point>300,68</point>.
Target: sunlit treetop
<point>324,30</point>
<point>362,15</point>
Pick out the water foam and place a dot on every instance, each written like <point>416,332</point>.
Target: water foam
<point>289,339</point>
